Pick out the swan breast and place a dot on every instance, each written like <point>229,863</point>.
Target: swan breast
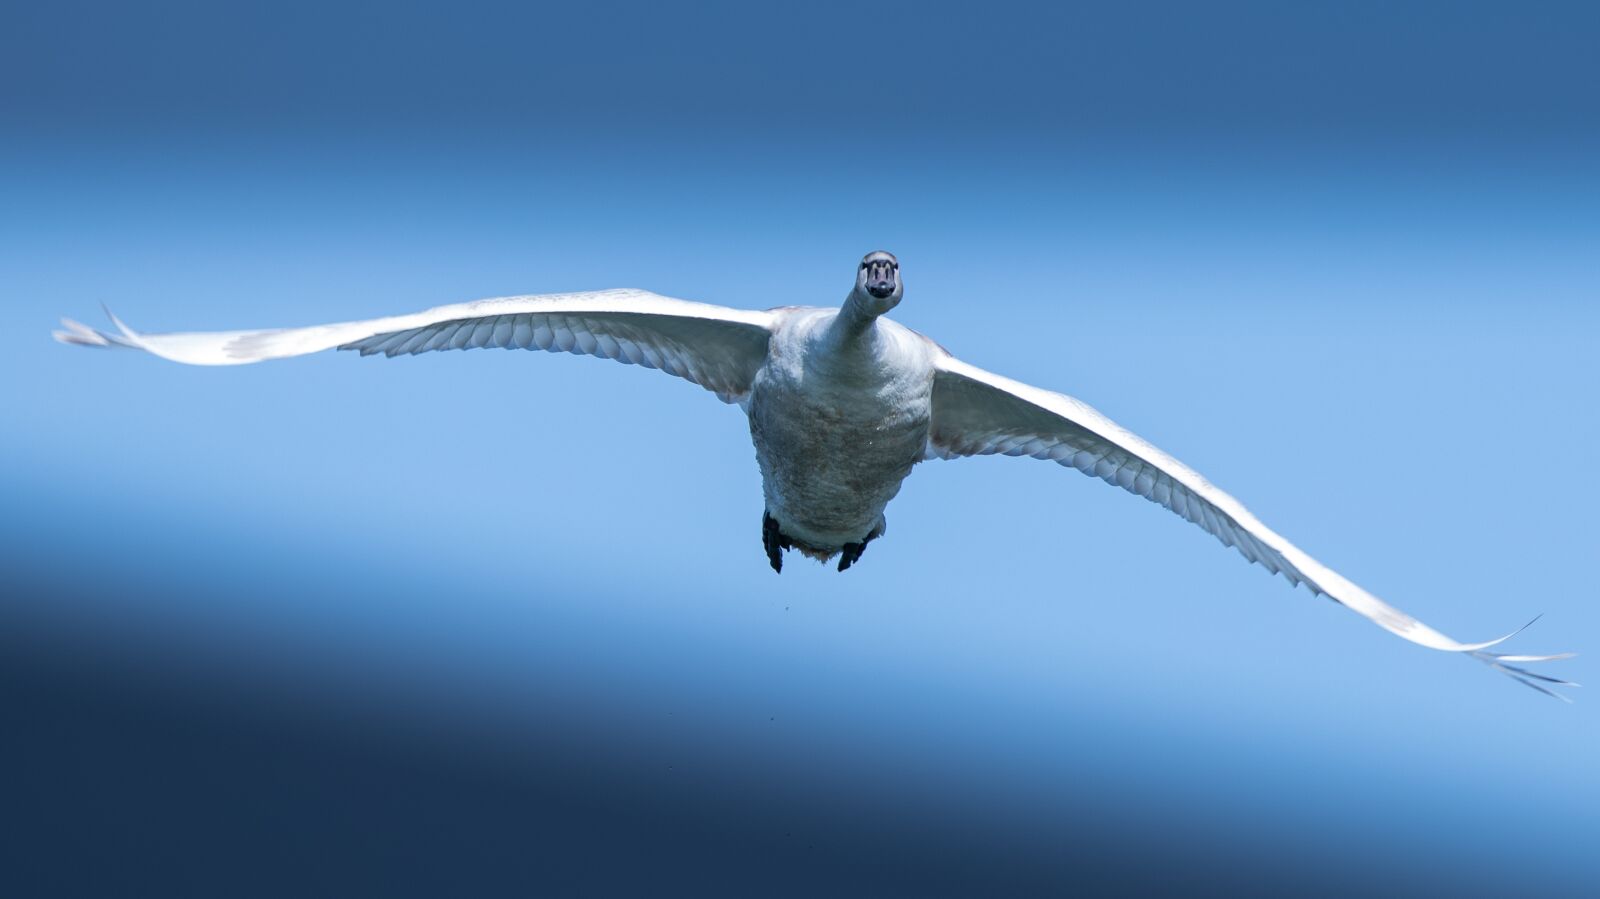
<point>838,426</point>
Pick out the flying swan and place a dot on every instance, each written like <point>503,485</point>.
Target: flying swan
<point>842,404</point>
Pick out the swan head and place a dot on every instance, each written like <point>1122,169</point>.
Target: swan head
<point>878,287</point>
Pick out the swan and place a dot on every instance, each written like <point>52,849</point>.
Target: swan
<point>842,404</point>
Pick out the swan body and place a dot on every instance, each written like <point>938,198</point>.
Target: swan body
<point>842,404</point>
<point>838,416</point>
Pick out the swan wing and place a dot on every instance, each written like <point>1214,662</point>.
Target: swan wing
<point>976,412</point>
<point>714,346</point>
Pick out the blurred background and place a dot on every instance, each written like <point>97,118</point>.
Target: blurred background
<point>500,623</point>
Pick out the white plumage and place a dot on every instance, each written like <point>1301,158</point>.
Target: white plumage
<point>842,403</point>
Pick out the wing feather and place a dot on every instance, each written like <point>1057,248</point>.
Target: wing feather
<point>976,412</point>
<point>713,346</point>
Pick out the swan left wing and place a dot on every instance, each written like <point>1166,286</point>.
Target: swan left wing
<point>714,346</point>
<point>976,412</point>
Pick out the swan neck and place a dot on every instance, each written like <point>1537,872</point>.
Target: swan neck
<point>855,319</point>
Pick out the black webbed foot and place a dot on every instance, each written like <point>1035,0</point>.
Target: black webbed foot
<point>772,542</point>
<point>851,554</point>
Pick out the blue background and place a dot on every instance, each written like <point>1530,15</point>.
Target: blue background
<point>501,622</point>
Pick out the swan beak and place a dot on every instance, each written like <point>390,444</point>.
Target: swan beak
<point>880,279</point>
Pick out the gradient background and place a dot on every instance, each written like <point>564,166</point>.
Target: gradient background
<point>501,623</point>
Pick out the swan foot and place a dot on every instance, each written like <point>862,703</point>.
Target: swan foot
<point>773,542</point>
<point>851,553</point>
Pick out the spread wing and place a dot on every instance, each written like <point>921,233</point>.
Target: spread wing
<point>976,412</point>
<point>714,346</point>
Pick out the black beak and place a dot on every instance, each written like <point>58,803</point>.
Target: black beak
<point>880,279</point>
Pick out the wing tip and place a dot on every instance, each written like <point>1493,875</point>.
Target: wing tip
<point>1531,622</point>
<point>76,333</point>
<point>1502,662</point>
<point>127,332</point>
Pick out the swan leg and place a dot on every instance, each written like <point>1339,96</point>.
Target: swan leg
<point>851,553</point>
<point>772,541</point>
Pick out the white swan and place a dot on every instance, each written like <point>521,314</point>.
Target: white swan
<point>842,404</point>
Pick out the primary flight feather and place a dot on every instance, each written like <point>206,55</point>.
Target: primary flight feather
<point>842,403</point>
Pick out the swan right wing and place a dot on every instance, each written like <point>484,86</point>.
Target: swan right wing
<point>715,347</point>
